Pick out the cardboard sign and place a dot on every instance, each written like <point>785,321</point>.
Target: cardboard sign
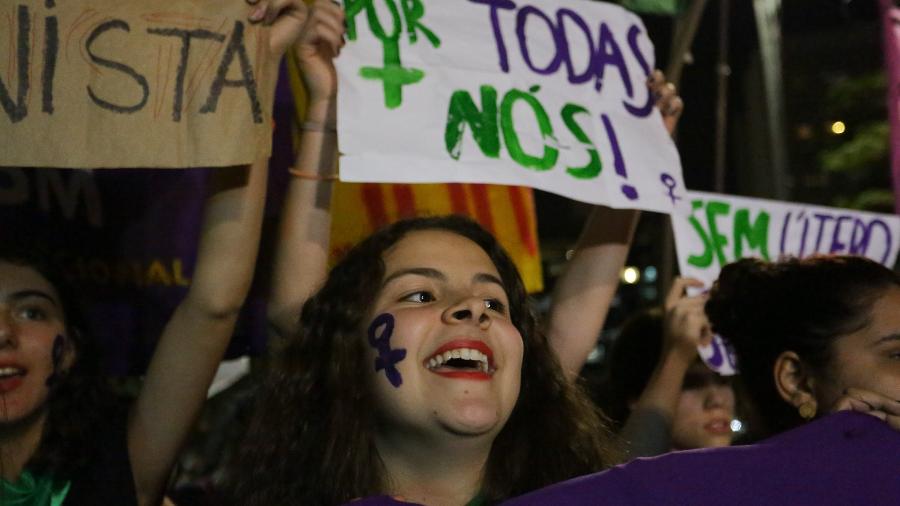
<point>549,94</point>
<point>721,229</point>
<point>126,83</point>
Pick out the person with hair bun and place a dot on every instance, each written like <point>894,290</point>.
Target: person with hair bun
<point>812,336</point>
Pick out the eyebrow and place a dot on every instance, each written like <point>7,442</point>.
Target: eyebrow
<point>888,338</point>
<point>24,294</point>
<point>483,277</point>
<point>416,271</point>
<point>428,272</point>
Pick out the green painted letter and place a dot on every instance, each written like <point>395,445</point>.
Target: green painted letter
<point>757,235</point>
<point>594,166</point>
<point>718,240</point>
<point>705,260</point>
<point>511,138</point>
<point>462,112</point>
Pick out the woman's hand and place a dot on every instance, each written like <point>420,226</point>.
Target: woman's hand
<point>685,326</point>
<point>320,41</point>
<point>668,102</point>
<point>870,403</point>
<point>287,19</point>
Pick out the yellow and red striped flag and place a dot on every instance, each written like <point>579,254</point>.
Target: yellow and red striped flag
<point>358,209</point>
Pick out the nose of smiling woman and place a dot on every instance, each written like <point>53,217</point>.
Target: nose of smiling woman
<point>7,329</point>
<point>468,310</point>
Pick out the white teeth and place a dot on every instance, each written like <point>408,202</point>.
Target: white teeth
<point>461,353</point>
<point>9,371</point>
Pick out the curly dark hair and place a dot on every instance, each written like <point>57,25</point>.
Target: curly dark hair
<point>80,398</point>
<point>802,305</point>
<point>312,441</point>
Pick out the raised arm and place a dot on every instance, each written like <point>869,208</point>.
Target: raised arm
<point>586,287</point>
<point>585,290</point>
<point>685,327</point>
<point>301,253</point>
<point>195,338</point>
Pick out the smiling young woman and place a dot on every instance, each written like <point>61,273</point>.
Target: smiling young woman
<point>63,440</point>
<point>358,403</point>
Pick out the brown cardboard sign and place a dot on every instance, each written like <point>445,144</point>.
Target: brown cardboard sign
<point>132,83</point>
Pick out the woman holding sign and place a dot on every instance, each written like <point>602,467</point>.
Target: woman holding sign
<point>62,441</point>
<point>812,336</point>
<point>657,382</point>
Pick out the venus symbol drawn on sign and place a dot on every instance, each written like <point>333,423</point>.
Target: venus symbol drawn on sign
<point>670,183</point>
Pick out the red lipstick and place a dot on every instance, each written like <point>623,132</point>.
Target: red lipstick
<point>478,357</point>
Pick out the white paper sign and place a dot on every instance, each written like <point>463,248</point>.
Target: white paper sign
<point>721,229</point>
<point>550,94</point>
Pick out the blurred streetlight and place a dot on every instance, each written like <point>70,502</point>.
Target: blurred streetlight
<point>630,275</point>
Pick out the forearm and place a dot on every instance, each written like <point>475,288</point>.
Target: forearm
<point>229,240</point>
<point>301,254</point>
<point>195,338</point>
<point>588,284</point>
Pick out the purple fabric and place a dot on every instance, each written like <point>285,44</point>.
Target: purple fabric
<point>380,500</point>
<point>845,458</point>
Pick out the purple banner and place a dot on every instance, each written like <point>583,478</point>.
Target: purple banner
<point>890,17</point>
<point>845,458</point>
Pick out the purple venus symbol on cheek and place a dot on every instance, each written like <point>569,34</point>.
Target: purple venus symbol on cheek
<point>387,358</point>
<point>59,345</point>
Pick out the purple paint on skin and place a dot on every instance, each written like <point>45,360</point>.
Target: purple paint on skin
<point>59,345</point>
<point>387,358</point>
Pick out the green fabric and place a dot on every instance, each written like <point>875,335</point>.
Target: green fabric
<point>669,7</point>
<point>33,490</point>
<point>478,500</point>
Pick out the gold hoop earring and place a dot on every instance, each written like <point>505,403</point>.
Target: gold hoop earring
<point>807,410</point>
